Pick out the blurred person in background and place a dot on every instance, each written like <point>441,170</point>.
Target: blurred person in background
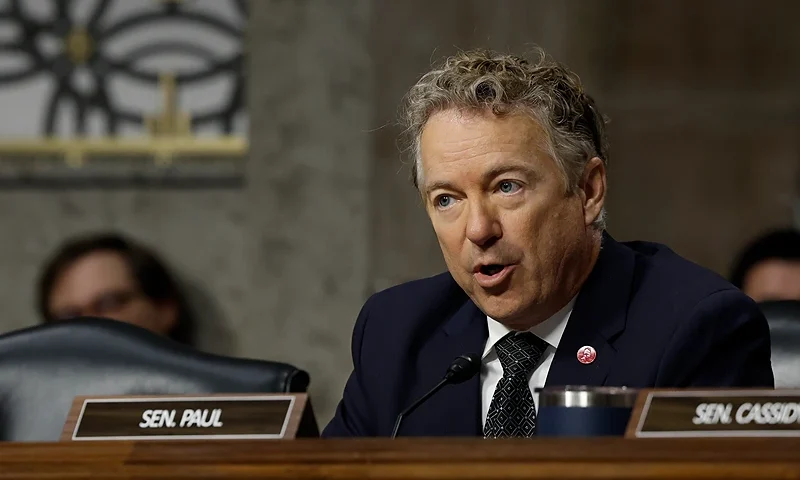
<point>768,268</point>
<point>110,276</point>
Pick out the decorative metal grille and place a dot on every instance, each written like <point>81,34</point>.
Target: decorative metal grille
<point>94,54</point>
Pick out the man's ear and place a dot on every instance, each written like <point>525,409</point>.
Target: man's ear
<point>593,189</point>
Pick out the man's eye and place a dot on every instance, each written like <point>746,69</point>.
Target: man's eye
<point>507,186</point>
<point>444,201</point>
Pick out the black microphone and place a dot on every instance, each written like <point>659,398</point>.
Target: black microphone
<point>462,369</point>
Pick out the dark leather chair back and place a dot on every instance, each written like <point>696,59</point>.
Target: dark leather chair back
<point>43,368</point>
<point>784,325</point>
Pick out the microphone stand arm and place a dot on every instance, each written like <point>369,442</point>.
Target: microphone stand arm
<point>416,404</point>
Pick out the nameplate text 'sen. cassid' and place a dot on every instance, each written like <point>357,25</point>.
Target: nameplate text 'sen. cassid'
<point>767,413</point>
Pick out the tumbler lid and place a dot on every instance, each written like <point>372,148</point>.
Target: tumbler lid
<point>579,396</point>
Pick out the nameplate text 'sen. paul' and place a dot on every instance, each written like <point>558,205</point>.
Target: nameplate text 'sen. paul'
<point>185,417</point>
<point>716,413</point>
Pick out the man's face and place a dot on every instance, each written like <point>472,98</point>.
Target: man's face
<point>100,284</point>
<point>773,280</point>
<point>512,237</point>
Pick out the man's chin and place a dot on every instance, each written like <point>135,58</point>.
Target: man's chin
<point>503,311</point>
<point>514,314</point>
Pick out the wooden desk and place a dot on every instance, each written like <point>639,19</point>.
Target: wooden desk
<point>408,459</point>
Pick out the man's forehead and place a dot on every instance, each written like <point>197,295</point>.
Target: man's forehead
<point>462,120</point>
<point>454,133</point>
<point>451,140</point>
<point>102,268</point>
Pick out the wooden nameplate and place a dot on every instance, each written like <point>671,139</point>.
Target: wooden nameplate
<point>716,413</point>
<point>187,417</point>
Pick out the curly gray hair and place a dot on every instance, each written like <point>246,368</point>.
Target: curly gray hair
<point>483,80</point>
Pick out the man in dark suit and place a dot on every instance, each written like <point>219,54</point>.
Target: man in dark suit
<point>509,158</point>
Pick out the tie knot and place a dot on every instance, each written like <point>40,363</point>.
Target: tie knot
<point>519,353</point>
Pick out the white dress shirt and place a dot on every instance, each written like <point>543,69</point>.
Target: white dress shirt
<point>550,331</point>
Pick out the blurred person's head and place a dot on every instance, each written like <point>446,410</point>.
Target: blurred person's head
<point>509,156</point>
<point>769,267</point>
<point>109,276</point>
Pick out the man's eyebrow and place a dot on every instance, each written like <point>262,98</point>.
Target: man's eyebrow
<point>437,185</point>
<point>501,169</point>
<point>488,175</point>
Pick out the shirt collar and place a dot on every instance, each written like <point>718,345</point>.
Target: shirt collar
<point>551,330</point>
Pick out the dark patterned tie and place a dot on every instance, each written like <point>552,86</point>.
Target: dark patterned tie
<point>512,412</point>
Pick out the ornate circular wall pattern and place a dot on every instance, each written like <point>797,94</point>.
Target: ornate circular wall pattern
<point>123,69</point>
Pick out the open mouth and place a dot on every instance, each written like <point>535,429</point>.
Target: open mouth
<point>492,274</point>
<point>492,269</point>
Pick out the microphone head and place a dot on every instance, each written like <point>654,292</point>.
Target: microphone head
<point>463,368</point>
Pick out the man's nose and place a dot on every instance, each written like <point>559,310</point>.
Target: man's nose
<point>483,228</point>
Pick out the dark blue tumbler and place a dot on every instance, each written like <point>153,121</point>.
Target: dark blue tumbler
<point>578,411</point>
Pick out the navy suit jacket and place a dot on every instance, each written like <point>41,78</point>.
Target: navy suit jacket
<point>654,318</point>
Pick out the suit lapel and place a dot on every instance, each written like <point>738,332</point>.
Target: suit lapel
<point>598,317</point>
<point>455,410</point>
